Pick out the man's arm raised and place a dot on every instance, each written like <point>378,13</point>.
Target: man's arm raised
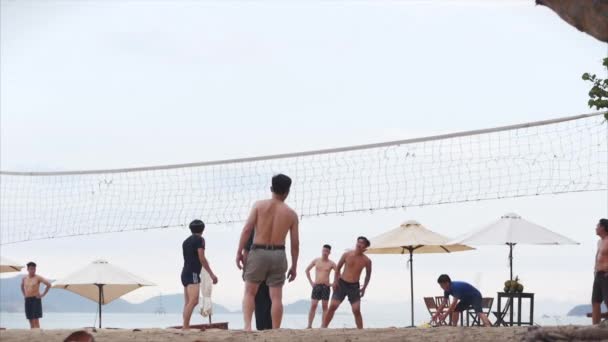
<point>245,234</point>
<point>294,236</point>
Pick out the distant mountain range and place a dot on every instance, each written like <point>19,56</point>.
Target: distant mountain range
<point>580,310</point>
<point>58,300</point>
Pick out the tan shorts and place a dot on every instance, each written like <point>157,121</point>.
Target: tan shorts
<point>267,266</point>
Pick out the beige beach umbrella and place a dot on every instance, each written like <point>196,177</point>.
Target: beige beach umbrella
<point>8,265</point>
<point>101,282</point>
<point>511,230</point>
<point>412,238</point>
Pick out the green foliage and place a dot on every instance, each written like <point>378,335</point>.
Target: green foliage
<point>598,95</point>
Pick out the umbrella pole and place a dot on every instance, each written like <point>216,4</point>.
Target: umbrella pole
<point>99,286</point>
<point>511,259</point>
<point>412,284</point>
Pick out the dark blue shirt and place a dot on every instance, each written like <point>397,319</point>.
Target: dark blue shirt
<point>190,247</point>
<point>460,290</point>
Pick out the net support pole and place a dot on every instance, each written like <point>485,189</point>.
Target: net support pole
<point>412,284</point>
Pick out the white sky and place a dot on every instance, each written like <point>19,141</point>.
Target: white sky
<point>117,84</point>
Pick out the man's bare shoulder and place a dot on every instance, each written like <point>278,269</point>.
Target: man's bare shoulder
<point>289,210</point>
<point>261,204</point>
<point>348,254</point>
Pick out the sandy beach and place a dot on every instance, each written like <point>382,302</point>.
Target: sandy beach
<point>315,335</point>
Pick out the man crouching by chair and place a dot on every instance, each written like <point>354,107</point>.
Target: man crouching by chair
<point>465,296</point>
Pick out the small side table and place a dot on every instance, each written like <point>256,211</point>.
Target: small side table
<point>511,300</point>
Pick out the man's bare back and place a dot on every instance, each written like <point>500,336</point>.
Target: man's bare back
<point>601,258</point>
<point>322,271</point>
<point>273,220</point>
<point>353,266</point>
<point>31,285</point>
<point>267,261</point>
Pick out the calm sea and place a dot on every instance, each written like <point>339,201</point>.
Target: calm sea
<point>52,320</point>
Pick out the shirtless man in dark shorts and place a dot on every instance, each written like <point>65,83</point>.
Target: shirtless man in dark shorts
<point>30,287</point>
<point>321,286</point>
<point>272,219</point>
<point>193,249</point>
<point>600,281</point>
<point>346,284</point>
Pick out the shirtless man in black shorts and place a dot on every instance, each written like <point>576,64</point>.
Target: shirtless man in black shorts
<point>30,287</point>
<point>193,249</point>
<point>346,284</point>
<point>600,281</point>
<point>321,286</point>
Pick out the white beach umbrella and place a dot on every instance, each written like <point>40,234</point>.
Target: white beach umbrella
<point>511,230</point>
<point>8,265</point>
<point>412,238</point>
<point>206,289</point>
<point>101,282</point>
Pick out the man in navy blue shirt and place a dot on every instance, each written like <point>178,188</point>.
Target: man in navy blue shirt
<point>465,297</point>
<point>193,249</point>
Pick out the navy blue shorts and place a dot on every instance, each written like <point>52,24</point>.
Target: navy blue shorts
<point>190,278</point>
<point>465,303</point>
<point>33,308</point>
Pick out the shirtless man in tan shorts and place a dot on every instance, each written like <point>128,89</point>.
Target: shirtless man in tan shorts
<point>346,284</point>
<point>600,281</point>
<point>30,287</point>
<point>321,286</point>
<point>272,219</point>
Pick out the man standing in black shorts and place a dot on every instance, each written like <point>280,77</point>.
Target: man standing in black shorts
<point>600,281</point>
<point>321,286</point>
<point>346,284</point>
<point>193,249</point>
<point>465,296</point>
<point>30,287</point>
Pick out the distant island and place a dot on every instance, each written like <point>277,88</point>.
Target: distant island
<point>581,310</point>
<point>11,300</point>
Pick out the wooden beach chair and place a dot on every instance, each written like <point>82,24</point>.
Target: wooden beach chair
<point>486,307</point>
<point>439,301</point>
<point>500,316</point>
<point>432,307</point>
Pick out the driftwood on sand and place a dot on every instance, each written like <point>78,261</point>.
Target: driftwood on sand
<point>567,333</point>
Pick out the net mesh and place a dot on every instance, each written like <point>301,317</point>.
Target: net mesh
<point>559,156</point>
